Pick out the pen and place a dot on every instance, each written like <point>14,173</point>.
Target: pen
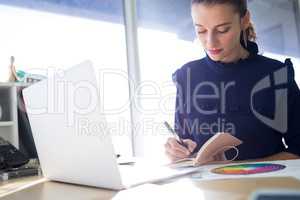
<point>180,141</point>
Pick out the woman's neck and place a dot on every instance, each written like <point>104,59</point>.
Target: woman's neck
<point>241,53</point>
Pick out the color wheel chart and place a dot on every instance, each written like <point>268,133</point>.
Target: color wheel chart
<point>247,169</point>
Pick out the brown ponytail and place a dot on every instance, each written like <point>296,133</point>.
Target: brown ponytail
<point>250,33</point>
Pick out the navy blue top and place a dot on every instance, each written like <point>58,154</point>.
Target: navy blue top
<point>256,99</point>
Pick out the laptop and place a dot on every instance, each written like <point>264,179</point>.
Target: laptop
<point>72,138</point>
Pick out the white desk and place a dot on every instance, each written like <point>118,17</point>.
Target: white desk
<point>217,189</point>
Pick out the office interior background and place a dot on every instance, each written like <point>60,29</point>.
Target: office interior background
<point>62,33</point>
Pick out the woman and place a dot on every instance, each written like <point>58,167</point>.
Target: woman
<point>230,90</point>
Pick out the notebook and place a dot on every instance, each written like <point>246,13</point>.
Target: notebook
<point>212,151</point>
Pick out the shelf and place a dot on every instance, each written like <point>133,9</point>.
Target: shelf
<point>9,116</point>
<point>6,123</point>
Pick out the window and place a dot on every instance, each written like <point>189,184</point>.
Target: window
<point>166,42</point>
<point>60,34</point>
<point>277,24</point>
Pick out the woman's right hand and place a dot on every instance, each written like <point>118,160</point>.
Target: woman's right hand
<point>176,151</point>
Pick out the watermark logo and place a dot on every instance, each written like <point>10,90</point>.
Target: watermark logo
<point>279,122</point>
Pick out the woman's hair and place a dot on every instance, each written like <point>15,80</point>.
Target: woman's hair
<point>241,8</point>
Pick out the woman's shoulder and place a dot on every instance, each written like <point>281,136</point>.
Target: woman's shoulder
<point>273,64</point>
<point>188,67</point>
<point>194,64</point>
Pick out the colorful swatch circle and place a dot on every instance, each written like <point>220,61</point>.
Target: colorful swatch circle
<point>247,169</point>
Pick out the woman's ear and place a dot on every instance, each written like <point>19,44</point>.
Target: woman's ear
<point>245,22</point>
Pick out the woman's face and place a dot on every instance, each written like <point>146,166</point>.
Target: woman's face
<point>218,28</point>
